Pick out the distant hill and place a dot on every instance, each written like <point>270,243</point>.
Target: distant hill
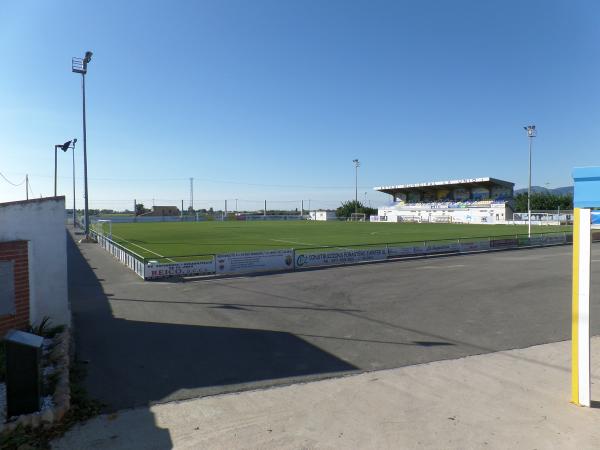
<point>556,191</point>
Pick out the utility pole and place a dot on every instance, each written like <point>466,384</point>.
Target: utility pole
<point>301,208</point>
<point>265,210</point>
<point>27,186</point>
<point>225,209</point>
<point>181,208</point>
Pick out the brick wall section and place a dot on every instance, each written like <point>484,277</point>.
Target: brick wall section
<point>17,251</point>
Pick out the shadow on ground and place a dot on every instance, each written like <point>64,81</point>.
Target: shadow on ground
<point>139,363</point>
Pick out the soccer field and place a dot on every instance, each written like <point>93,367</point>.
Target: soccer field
<point>170,240</point>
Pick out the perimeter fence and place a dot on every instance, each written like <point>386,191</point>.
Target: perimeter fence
<point>281,260</point>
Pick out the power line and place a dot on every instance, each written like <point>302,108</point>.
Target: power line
<point>10,182</point>
<point>211,180</point>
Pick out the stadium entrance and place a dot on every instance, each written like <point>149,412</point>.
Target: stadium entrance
<point>472,200</point>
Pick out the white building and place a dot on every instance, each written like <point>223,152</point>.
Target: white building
<point>322,215</point>
<point>473,200</point>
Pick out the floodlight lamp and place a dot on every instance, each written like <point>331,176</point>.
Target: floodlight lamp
<point>74,141</point>
<point>65,146</point>
<point>88,57</point>
<point>531,132</point>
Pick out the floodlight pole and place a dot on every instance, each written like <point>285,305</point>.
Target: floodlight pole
<point>55,150</point>
<point>74,210</point>
<point>86,214</point>
<point>64,147</point>
<point>80,66</point>
<point>356,166</point>
<point>531,133</point>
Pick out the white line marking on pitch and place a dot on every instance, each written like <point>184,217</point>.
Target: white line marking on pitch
<point>143,248</point>
<point>312,245</point>
<point>294,242</point>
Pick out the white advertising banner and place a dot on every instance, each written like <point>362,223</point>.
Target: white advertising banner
<point>344,256</point>
<point>249,262</point>
<point>159,270</point>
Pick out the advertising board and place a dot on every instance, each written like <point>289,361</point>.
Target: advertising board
<point>474,246</point>
<point>343,256</point>
<point>504,243</point>
<point>394,252</point>
<point>555,239</point>
<point>154,270</point>
<point>249,262</point>
<point>441,247</point>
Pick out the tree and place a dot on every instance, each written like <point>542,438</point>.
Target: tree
<point>348,208</point>
<point>543,201</point>
<point>139,209</point>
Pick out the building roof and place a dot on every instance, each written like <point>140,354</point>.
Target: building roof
<point>465,182</point>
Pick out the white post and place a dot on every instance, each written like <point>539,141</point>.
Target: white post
<point>582,244</point>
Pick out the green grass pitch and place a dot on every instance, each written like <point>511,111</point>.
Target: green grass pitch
<point>171,240</point>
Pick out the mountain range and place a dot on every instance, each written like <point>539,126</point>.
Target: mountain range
<point>565,190</point>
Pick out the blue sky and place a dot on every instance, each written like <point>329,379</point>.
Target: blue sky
<point>273,99</point>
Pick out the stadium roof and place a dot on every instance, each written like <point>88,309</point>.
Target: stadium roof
<point>465,182</point>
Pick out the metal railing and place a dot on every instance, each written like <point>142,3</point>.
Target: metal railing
<point>135,262</point>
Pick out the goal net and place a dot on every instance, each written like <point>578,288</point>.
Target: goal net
<point>358,217</point>
<point>103,227</point>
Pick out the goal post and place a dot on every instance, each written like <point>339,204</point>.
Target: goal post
<point>103,227</point>
<point>358,217</point>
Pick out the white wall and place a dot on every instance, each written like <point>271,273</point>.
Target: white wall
<point>42,223</point>
<point>485,215</point>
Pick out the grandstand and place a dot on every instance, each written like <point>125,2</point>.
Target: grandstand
<point>473,200</point>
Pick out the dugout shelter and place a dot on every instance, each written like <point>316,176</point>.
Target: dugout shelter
<point>472,200</point>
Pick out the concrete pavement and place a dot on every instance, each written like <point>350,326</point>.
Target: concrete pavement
<point>151,342</point>
<point>511,399</point>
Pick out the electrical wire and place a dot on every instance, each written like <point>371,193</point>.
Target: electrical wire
<point>10,182</point>
<point>208,180</point>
